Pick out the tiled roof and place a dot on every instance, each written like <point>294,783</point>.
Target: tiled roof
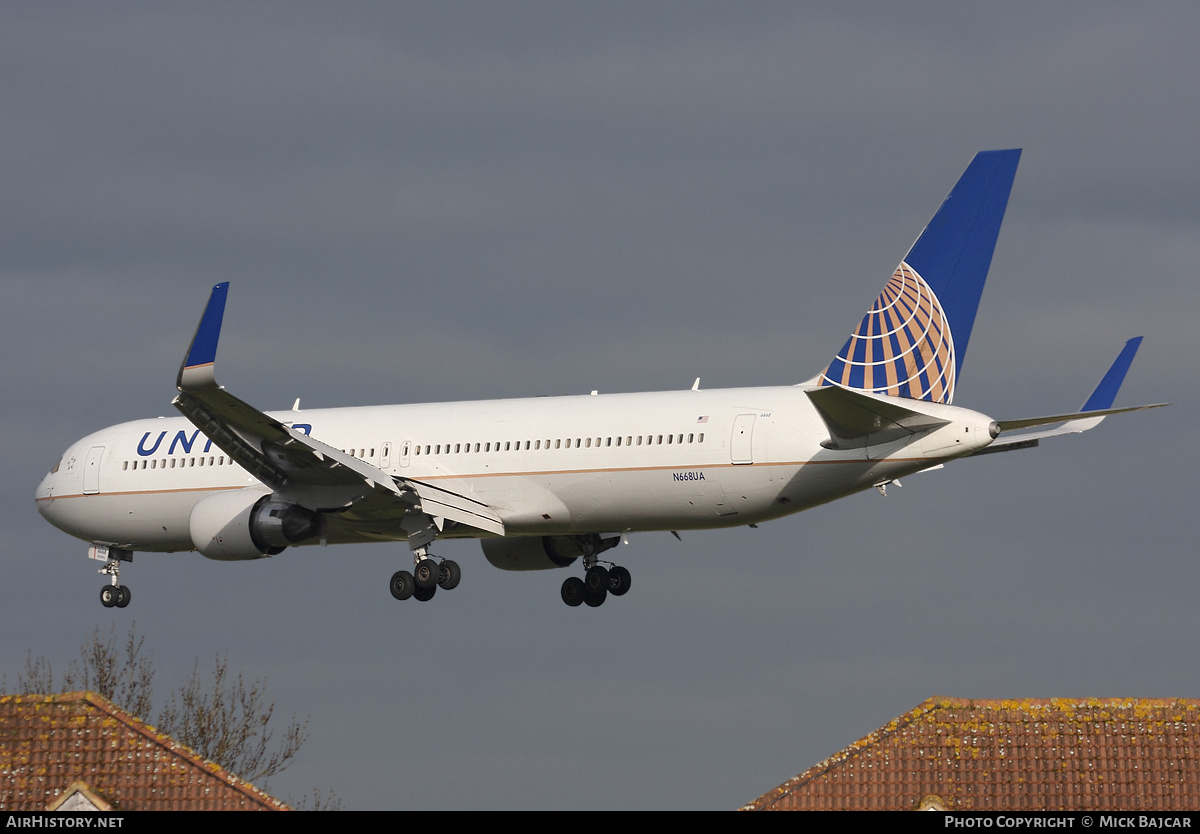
<point>1125,754</point>
<point>48,742</point>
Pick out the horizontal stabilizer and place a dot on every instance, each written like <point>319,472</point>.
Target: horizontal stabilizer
<point>854,416</point>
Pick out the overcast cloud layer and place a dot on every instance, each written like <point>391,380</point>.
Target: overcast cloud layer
<point>455,201</point>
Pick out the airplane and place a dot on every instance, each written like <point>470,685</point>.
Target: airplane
<point>547,482</point>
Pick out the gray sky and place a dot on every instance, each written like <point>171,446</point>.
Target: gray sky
<point>451,201</point>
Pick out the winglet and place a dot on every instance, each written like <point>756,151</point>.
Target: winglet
<point>197,370</point>
<point>1093,412</point>
<point>1106,391</point>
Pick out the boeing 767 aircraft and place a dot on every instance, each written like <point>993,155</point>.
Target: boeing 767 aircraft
<point>549,481</point>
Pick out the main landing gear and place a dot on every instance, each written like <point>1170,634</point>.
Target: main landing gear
<point>427,576</point>
<point>428,573</point>
<point>114,594</point>
<point>597,583</point>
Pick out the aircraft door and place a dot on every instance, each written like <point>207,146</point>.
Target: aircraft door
<point>740,444</point>
<point>91,470</point>
<point>405,450</point>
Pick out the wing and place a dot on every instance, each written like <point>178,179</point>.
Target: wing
<point>300,468</point>
<point>1090,415</point>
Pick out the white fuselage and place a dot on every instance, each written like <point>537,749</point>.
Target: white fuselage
<point>546,466</point>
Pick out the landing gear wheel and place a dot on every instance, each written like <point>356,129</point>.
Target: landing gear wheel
<point>572,591</point>
<point>425,594</point>
<point>449,576</point>
<point>426,573</point>
<point>595,583</point>
<point>403,584</point>
<point>594,599</point>
<point>122,596</point>
<point>619,581</point>
<point>596,579</point>
<point>109,596</point>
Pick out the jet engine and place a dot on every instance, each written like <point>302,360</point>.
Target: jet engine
<point>543,552</point>
<point>248,524</point>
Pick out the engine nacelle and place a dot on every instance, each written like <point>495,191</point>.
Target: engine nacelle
<point>248,524</point>
<point>543,552</point>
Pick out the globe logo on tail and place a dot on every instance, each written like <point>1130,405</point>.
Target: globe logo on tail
<point>902,347</point>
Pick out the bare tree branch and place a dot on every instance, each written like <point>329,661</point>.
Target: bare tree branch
<point>37,678</point>
<point>317,801</point>
<point>228,722</point>
<point>123,676</point>
<point>223,718</point>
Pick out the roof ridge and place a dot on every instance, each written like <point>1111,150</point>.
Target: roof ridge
<point>151,733</point>
<point>855,748</point>
<point>937,703</point>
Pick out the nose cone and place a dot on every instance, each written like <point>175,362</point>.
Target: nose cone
<point>50,486</point>
<point>45,505</point>
<point>44,490</point>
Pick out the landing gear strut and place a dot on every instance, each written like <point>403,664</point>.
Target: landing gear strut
<point>114,594</point>
<point>429,572</point>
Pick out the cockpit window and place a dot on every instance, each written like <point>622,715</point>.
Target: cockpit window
<point>57,463</point>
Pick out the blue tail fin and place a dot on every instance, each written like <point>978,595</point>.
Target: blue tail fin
<point>912,341</point>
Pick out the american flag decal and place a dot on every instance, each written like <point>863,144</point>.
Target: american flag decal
<point>902,347</point>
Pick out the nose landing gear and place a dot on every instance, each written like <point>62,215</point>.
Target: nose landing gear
<point>114,594</point>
